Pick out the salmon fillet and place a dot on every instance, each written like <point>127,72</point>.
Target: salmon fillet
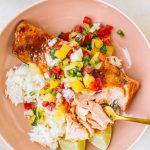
<point>31,44</point>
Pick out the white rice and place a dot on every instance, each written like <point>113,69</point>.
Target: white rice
<point>48,136</point>
<point>20,82</point>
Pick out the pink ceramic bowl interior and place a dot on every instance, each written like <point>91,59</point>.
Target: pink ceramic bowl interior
<point>56,16</point>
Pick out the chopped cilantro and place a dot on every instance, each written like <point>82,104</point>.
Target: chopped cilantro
<point>120,33</point>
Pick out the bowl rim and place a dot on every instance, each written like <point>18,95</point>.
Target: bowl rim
<point>99,1</point>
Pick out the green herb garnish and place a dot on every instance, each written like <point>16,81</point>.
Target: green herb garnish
<point>61,33</point>
<point>103,49</point>
<point>54,94</point>
<point>94,34</point>
<point>120,33</point>
<point>89,47</point>
<point>77,39</point>
<point>54,77</point>
<point>32,93</point>
<point>53,53</point>
<point>86,60</point>
<point>96,62</point>
<point>35,121</point>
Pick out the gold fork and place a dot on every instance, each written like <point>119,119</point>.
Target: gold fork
<point>111,114</point>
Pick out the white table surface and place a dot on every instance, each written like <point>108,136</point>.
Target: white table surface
<point>137,10</point>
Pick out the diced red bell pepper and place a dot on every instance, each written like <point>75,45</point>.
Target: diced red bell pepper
<point>104,31</point>
<point>88,69</point>
<point>69,53</point>
<point>87,20</point>
<point>106,40</point>
<point>101,32</point>
<point>28,106</point>
<point>56,70</point>
<point>51,106</point>
<point>58,46</point>
<point>65,36</point>
<point>78,28</point>
<point>45,103</point>
<point>96,85</point>
<point>62,86</point>
<point>86,53</point>
<point>76,47</point>
<point>108,29</point>
<point>88,38</point>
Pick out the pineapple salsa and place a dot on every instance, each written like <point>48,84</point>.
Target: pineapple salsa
<point>73,68</point>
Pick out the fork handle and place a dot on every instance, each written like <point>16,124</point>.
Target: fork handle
<point>138,120</point>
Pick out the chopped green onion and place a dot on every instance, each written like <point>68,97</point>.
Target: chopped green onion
<point>68,72</point>
<point>89,46</point>
<point>53,53</point>
<point>32,93</point>
<point>120,33</point>
<point>39,115</point>
<point>96,62</point>
<point>54,77</point>
<point>103,49</point>
<point>77,39</point>
<point>79,74</point>
<point>35,121</point>
<point>86,60</point>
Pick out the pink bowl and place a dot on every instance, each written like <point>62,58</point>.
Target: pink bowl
<point>55,16</point>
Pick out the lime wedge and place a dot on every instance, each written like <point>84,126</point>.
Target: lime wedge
<point>68,145</point>
<point>101,139</point>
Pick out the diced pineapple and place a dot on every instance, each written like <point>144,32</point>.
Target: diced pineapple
<point>95,62</point>
<point>34,68</point>
<point>98,43</point>
<point>94,58</point>
<point>54,83</point>
<point>77,86</point>
<point>59,112</point>
<point>61,54</point>
<point>77,63</point>
<point>44,91</point>
<point>72,35</point>
<point>48,97</point>
<point>94,50</point>
<point>110,50</point>
<point>87,80</point>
